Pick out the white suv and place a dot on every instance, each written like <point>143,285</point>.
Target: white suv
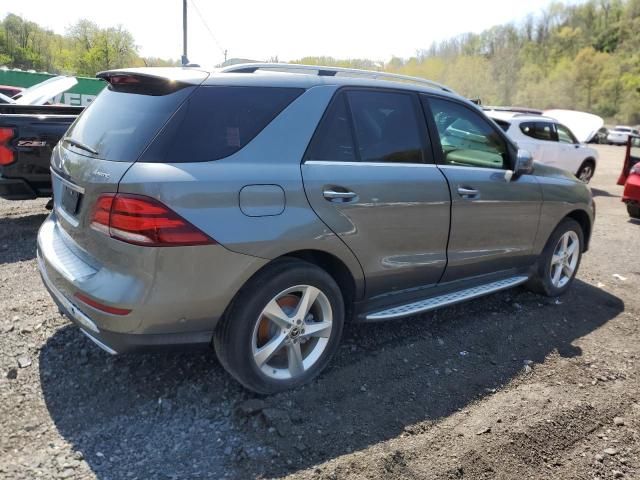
<point>550,142</point>
<point>620,135</point>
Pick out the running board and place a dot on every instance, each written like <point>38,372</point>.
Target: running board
<point>446,299</point>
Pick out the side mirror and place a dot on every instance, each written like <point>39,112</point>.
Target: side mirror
<point>524,163</point>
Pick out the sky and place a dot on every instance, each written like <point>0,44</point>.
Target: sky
<point>285,29</point>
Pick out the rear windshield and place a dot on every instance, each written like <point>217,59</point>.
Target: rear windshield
<point>217,121</point>
<point>622,129</point>
<point>118,125</point>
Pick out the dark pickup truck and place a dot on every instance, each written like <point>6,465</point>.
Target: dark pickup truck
<point>28,133</point>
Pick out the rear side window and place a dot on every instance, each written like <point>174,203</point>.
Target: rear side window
<point>118,125</point>
<point>333,140</point>
<point>369,126</point>
<point>539,130</point>
<point>217,121</point>
<point>502,124</point>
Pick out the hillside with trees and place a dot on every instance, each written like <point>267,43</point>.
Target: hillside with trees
<point>83,50</point>
<point>584,56</point>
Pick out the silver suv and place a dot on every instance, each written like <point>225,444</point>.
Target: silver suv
<point>259,207</point>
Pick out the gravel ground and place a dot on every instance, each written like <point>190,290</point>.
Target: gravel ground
<point>509,386</point>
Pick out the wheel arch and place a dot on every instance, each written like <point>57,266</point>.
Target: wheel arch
<point>584,221</point>
<point>335,267</point>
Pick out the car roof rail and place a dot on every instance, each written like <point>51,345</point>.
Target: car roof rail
<point>323,71</point>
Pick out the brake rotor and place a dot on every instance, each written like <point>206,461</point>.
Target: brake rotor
<point>266,329</point>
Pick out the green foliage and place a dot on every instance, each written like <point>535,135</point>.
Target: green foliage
<point>84,50</point>
<point>583,57</point>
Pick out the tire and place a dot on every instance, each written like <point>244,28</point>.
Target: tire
<point>633,210</point>
<point>586,171</point>
<point>246,334</point>
<point>543,281</point>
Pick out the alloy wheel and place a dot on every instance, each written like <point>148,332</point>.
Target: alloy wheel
<point>292,332</point>
<point>565,259</point>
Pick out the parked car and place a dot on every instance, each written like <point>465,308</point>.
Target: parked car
<point>550,143</point>
<point>10,91</point>
<point>259,212</point>
<point>28,132</point>
<point>630,177</point>
<point>620,135</point>
<point>600,137</point>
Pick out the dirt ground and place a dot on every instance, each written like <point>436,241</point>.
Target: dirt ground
<point>511,386</point>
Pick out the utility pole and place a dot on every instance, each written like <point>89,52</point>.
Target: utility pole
<point>185,60</point>
<point>225,55</point>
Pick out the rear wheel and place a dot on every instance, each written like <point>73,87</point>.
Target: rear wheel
<point>634,210</point>
<point>283,328</point>
<point>586,171</point>
<point>560,260</point>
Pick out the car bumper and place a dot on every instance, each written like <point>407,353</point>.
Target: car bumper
<point>632,189</point>
<point>168,307</point>
<point>118,342</point>
<point>617,140</point>
<point>16,189</point>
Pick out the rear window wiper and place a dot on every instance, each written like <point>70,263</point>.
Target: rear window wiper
<point>81,145</point>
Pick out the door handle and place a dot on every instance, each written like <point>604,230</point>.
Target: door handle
<point>333,195</point>
<point>467,192</point>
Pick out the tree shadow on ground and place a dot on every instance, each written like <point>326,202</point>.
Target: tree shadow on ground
<point>17,237</point>
<point>173,415</point>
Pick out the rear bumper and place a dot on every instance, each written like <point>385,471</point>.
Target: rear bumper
<point>16,189</point>
<point>116,342</point>
<point>170,305</point>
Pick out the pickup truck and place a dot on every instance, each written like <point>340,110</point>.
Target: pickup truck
<point>28,132</point>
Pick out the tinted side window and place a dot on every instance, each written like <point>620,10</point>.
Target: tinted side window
<point>386,127</point>
<point>565,135</point>
<point>333,140</point>
<point>218,121</point>
<point>466,137</point>
<point>539,130</point>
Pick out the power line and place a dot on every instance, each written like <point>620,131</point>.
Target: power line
<point>206,25</point>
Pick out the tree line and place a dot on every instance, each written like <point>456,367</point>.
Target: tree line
<point>83,50</point>
<point>584,57</point>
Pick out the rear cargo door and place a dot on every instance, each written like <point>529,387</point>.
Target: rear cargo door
<point>106,139</point>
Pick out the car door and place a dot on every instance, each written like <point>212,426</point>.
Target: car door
<point>571,153</point>
<point>369,175</point>
<point>494,216</point>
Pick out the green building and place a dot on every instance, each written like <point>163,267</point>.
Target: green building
<point>80,95</point>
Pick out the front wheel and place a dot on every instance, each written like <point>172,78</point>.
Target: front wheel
<point>560,260</point>
<point>283,327</point>
<point>633,210</point>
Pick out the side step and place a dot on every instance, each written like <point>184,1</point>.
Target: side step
<point>446,299</point>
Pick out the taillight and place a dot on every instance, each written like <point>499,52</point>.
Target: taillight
<point>144,221</point>
<point>6,153</point>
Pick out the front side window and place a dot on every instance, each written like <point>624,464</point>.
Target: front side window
<point>466,138</point>
<point>565,135</point>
